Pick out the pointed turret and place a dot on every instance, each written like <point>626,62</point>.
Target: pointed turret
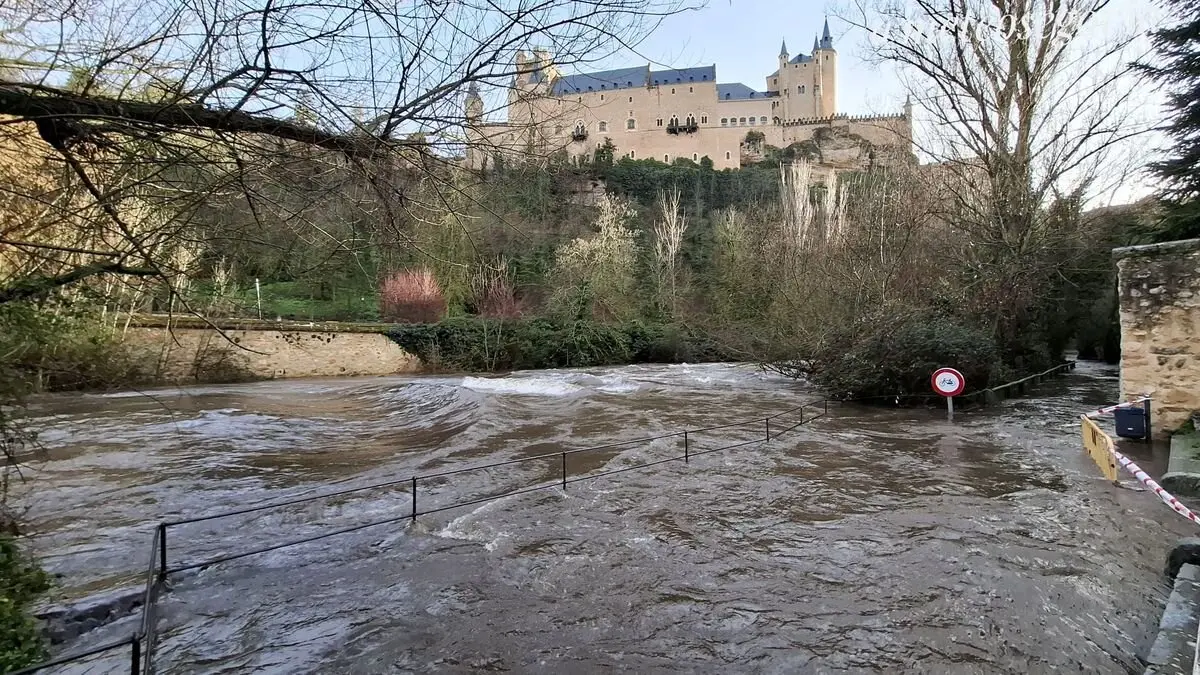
<point>826,37</point>
<point>908,106</point>
<point>474,104</point>
<point>783,52</point>
<point>816,44</point>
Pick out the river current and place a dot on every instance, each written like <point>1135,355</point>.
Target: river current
<point>869,540</point>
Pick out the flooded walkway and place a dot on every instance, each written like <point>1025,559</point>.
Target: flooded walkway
<point>872,540</point>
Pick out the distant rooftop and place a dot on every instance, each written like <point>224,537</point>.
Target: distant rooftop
<point>736,91</point>
<point>642,76</point>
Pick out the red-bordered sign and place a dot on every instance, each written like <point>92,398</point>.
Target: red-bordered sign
<point>948,382</point>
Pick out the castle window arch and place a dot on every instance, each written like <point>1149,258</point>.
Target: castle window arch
<point>726,154</point>
<point>580,127</point>
<point>602,126</point>
<point>690,90</point>
<point>601,97</point>
<point>666,159</point>
<point>674,121</point>
<point>695,156</point>
<point>742,122</point>
<point>800,89</point>
<point>691,119</point>
<point>703,119</point>
<point>672,90</point>
<point>762,120</point>
<point>724,121</point>
<point>630,124</point>
<point>753,120</point>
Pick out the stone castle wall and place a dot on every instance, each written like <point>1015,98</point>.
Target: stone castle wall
<point>1159,289</point>
<point>191,354</point>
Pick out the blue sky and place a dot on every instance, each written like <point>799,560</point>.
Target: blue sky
<point>742,38</point>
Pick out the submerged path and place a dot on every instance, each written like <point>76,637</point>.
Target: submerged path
<point>872,540</point>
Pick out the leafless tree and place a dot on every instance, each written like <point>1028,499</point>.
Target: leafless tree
<point>130,122</point>
<point>668,240</point>
<point>1025,103</point>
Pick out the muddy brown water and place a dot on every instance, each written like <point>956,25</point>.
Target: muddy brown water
<point>871,540</point>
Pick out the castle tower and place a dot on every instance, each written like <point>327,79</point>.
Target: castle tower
<point>783,111</point>
<point>826,58</point>
<point>473,106</point>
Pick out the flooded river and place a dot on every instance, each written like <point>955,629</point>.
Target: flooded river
<point>870,540</point>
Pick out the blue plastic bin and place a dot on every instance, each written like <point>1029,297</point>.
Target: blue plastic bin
<point>1133,422</point>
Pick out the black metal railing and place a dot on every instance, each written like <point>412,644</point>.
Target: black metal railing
<point>142,643</point>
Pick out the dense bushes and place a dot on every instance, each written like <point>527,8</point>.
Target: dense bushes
<point>894,354</point>
<point>477,344</point>
<point>21,582</point>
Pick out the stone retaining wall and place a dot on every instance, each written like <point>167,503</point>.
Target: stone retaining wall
<point>251,351</point>
<point>1159,288</point>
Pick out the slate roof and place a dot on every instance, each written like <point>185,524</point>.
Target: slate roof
<point>736,91</point>
<point>607,80</point>
<point>684,75</point>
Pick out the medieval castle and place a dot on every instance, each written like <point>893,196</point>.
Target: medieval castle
<point>669,114</point>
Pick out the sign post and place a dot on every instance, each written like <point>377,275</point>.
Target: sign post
<point>949,383</point>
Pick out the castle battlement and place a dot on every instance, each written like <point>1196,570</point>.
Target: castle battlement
<point>670,114</point>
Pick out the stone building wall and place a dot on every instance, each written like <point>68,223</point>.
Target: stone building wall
<point>1159,289</point>
<point>184,355</point>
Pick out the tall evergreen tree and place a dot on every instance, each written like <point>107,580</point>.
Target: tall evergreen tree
<point>1178,68</point>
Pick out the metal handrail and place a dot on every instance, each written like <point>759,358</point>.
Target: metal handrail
<point>143,641</point>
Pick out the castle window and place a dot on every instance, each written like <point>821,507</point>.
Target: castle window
<point>674,121</point>
<point>704,119</point>
<point>632,154</point>
<point>753,121</point>
<point>689,90</point>
<point>724,121</point>
<point>816,88</point>
<point>658,122</point>
<point>763,119</point>
<point>694,156</point>
<point>630,124</point>
<point>691,120</point>
<point>601,97</point>
<point>775,81</point>
<point>603,126</point>
<point>800,89</point>
<point>672,90</point>
<point>666,159</point>
<point>742,122</point>
<point>631,99</point>
<point>726,155</point>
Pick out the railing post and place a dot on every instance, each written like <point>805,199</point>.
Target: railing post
<point>685,447</point>
<point>414,499</point>
<point>135,661</point>
<point>564,472</point>
<point>162,551</point>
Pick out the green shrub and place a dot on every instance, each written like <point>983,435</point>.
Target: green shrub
<point>477,344</point>
<point>21,582</point>
<point>891,354</point>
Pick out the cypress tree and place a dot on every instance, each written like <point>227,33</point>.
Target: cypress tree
<point>1178,68</point>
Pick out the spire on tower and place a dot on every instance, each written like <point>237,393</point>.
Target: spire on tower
<point>783,50</point>
<point>826,37</point>
<point>816,44</point>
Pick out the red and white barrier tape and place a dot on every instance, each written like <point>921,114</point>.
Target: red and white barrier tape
<point>1105,411</point>
<point>1149,482</point>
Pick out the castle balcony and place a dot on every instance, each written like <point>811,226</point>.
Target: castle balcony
<point>579,135</point>
<point>675,129</point>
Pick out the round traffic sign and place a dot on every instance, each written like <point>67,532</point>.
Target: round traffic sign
<point>948,382</point>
